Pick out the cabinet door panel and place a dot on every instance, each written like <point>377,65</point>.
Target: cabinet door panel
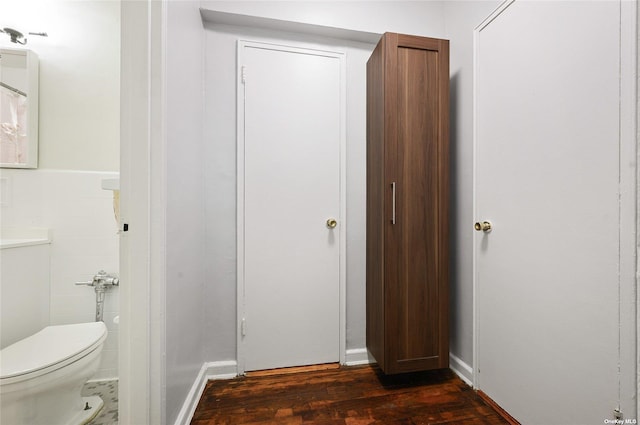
<point>417,197</point>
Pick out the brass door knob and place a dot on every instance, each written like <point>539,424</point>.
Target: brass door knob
<point>485,226</point>
<point>332,223</point>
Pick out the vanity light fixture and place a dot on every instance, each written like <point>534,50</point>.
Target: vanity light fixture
<point>17,37</point>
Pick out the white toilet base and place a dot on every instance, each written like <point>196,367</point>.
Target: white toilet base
<point>51,399</point>
<point>50,393</point>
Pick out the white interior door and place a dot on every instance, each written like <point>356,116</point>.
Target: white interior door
<point>547,178</point>
<point>290,138</point>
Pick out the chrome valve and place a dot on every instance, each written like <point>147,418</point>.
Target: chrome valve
<point>102,279</point>
<point>101,282</point>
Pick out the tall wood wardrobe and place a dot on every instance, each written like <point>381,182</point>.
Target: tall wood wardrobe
<point>408,203</point>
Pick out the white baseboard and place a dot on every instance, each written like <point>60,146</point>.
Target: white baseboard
<point>209,371</point>
<point>358,356</point>
<point>227,369</point>
<point>463,370</point>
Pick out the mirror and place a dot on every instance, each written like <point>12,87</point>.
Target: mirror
<point>18,108</point>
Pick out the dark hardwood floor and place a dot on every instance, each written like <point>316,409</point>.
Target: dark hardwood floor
<point>354,395</point>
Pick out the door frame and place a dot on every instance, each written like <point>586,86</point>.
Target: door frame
<point>141,358</point>
<point>293,47</point>
<point>629,207</point>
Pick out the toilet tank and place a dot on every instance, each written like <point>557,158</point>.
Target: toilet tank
<point>24,283</point>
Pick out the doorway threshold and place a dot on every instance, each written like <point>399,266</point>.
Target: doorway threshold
<point>293,369</point>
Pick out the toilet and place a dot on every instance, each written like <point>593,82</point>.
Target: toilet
<point>42,375</point>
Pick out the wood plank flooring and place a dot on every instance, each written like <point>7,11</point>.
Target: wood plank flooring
<point>356,395</point>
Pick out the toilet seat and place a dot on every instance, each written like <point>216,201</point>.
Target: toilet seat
<point>48,350</point>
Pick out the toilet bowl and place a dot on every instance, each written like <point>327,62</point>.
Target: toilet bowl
<point>42,375</point>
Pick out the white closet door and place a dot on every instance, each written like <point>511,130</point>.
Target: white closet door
<point>547,178</point>
<point>290,270</point>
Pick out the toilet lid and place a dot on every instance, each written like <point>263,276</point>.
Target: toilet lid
<point>51,346</point>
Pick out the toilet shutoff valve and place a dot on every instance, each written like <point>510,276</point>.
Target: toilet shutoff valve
<point>102,279</point>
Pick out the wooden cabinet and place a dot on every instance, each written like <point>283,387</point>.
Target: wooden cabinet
<point>408,203</point>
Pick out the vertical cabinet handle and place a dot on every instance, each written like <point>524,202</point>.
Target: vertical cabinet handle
<point>393,203</point>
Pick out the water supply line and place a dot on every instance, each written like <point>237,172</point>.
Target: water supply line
<point>101,283</point>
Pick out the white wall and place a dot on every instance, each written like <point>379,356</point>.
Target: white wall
<point>455,20</point>
<point>412,17</point>
<point>78,146</point>
<point>436,19</point>
<point>461,17</point>
<point>163,253</point>
<point>84,240</point>
<point>220,135</point>
<point>186,328</point>
<point>79,78</point>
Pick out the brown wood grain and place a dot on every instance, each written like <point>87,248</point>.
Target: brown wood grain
<point>408,262</point>
<point>349,396</point>
<point>417,198</point>
<point>375,204</point>
<point>293,369</point>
